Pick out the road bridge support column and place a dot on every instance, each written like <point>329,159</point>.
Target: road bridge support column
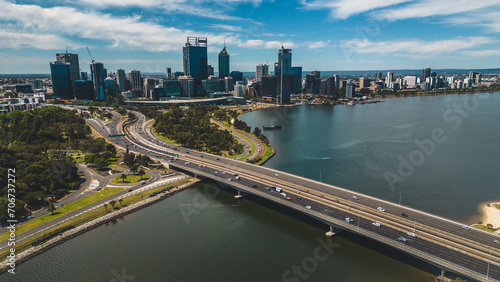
<point>240,195</point>
<point>332,232</point>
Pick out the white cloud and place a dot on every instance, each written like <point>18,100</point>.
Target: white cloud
<point>118,32</point>
<point>226,27</point>
<point>482,53</point>
<point>427,8</point>
<point>18,40</point>
<point>343,9</point>
<point>415,46</point>
<point>317,44</point>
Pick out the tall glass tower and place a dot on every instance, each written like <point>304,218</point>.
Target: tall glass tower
<point>223,63</point>
<point>195,59</point>
<point>98,76</point>
<point>284,74</point>
<point>62,84</point>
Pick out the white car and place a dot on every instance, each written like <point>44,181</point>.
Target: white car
<point>381,209</point>
<point>308,207</point>
<point>402,239</point>
<point>349,220</point>
<point>355,198</point>
<point>412,234</point>
<point>376,224</point>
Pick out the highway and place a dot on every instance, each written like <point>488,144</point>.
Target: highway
<point>442,242</point>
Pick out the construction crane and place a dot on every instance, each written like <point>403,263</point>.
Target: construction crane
<point>91,58</point>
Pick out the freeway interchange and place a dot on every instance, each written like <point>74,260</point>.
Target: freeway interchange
<point>439,241</point>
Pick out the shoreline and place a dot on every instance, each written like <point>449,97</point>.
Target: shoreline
<point>489,214</point>
<point>33,251</point>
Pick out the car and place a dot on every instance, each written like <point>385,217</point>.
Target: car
<point>496,241</point>
<point>299,197</point>
<point>229,179</point>
<point>355,198</point>
<point>308,207</point>
<point>149,180</point>
<point>411,234</point>
<point>267,188</point>
<point>381,209</point>
<point>30,217</point>
<point>276,174</point>
<point>201,156</point>
<point>465,227</point>
<point>349,220</point>
<point>129,190</point>
<point>376,224</point>
<point>404,215</point>
<point>143,182</point>
<point>402,239</point>
<point>218,159</point>
<point>254,186</point>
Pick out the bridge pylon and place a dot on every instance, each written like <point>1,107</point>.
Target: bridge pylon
<point>333,231</point>
<point>240,195</point>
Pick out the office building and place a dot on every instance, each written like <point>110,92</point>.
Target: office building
<point>426,73</point>
<point>284,75</point>
<point>364,82</point>
<point>98,76</point>
<point>187,86</point>
<point>223,63</point>
<point>110,87</point>
<point>210,70</point>
<point>296,80</point>
<point>229,85</point>
<point>313,83</point>
<point>239,89</point>
<point>378,76</point>
<point>171,87</point>
<point>338,81</point>
<point>328,86</point>
<point>84,89</point>
<point>410,81</point>
<point>62,84</point>
<point>84,75</point>
<point>169,73</point>
<point>350,90</point>
<point>389,79</point>
<point>135,83</point>
<point>237,76</point>
<point>261,70</point>
<point>149,86</point>
<point>120,80</point>
<point>72,60</point>
<point>269,86</point>
<point>195,60</point>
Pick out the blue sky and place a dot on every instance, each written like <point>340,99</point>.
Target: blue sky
<point>148,35</point>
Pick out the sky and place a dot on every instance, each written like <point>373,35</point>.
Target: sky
<point>326,35</point>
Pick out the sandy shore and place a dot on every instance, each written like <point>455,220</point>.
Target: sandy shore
<point>490,214</point>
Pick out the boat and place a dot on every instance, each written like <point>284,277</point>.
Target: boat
<point>272,127</point>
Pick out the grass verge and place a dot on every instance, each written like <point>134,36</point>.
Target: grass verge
<point>131,179</point>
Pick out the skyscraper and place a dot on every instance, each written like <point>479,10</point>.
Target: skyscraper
<point>98,76</point>
<point>120,80</point>
<point>261,70</point>
<point>195,59</point>
<point>72,60</point>
<point>284,75</point>
<point>62,84</point>
<point>389,79</point>
<point>135,82</point>
<point>426,73</point>
<point>223,63</point>
<point>149,86</point>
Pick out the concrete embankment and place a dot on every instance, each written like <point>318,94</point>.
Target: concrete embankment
<point>33,251</point>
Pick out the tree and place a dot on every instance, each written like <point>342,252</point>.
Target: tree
<point>100,163</point>
<point>257,131</point>
<point>121,201</point>
<point>134,168</point>
<point>51,208</point>
<point>105,206</point>
<point>123,177</point>
<point>113,203</point>
<point>141,173</point>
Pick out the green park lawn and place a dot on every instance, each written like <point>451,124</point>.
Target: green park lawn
<point>106,192</point>
<point>131,179</point>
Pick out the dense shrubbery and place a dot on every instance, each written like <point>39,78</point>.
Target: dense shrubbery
<point>35,144</point>
<point>192,129</point>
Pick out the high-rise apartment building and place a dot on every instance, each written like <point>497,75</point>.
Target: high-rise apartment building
<point>426,73</point>
<point>223,63</point>
<point>364,82</point>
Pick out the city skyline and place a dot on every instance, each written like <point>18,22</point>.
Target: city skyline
<point>325,35</point>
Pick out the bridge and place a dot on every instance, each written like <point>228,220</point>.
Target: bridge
<point>444,243</point>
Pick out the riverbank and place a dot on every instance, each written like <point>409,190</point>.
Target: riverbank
<point>35,250</point>
<point>490,216</point>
